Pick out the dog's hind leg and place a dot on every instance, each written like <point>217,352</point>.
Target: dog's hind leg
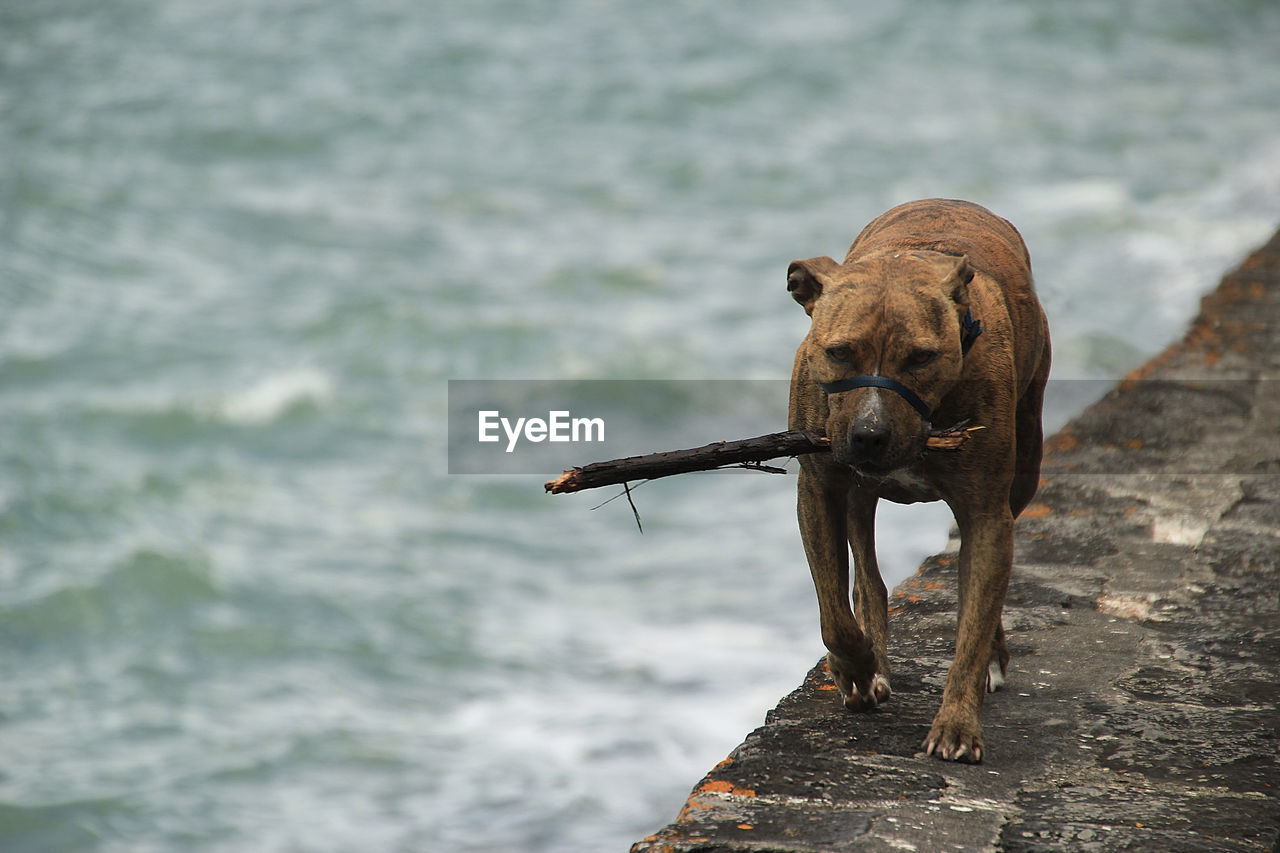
<point>1029,445</point>
<point>998,665</point>
<point>1029,439</point>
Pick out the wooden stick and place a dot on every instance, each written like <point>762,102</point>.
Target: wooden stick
<point>745,452</point>
<point>951,439</point>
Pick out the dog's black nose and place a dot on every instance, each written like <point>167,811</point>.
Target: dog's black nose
<point>868,440</point>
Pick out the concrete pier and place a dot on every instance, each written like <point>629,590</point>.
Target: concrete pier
<point>1142,707</point>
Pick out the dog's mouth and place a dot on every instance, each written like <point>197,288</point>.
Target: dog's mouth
<point>875,469</point>
<point>879,469</point>
<point>884,457</point>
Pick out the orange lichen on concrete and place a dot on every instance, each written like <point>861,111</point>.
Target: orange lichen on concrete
<point>724,762</point>
<point>705,797</point>
<point>1036,511</point>
<point>1061,442</point>
<point>691,805</point>
<point>720,786</point>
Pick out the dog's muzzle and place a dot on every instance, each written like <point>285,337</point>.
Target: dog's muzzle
<point>872,443</point>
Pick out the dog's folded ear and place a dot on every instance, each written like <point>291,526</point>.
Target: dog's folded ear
<point>805,280</point>
<point>957,280</point>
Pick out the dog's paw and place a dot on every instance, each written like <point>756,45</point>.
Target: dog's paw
<point>872,696</point>
<point>880,689</point>
<point>995,677</point>
<point>954,741</point>
<point>876,695</point>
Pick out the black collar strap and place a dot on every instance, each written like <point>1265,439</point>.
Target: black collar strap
<point>878,382</point>
<point>969,331</point>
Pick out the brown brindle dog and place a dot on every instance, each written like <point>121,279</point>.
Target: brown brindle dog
<point>932,318</point>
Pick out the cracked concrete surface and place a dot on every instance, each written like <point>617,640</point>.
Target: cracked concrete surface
<point>1142,705</point>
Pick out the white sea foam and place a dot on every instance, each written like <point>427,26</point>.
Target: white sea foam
<point>273,395</point>
<point>1075,198</point>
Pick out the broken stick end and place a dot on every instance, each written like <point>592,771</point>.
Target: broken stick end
<point>566,482</point>
<point>951,440</point>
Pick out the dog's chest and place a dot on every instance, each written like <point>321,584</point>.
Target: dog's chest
<point>905,486</point>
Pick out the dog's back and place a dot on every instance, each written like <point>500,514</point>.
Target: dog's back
<point>955,227</point>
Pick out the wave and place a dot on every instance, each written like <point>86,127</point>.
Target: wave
<point>144,591</point>
<point>273,396</point>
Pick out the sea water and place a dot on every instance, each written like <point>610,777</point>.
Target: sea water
<point>244,246</point>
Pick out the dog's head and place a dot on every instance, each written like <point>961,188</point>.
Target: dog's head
<point>886,345</point>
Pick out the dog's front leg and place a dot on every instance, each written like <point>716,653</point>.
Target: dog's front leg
<point>822,506</point>
<point>986,561</point>
<point>870,598</point>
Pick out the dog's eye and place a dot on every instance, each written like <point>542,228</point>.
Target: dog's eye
<point>921,357</point>
<point>839,353</point>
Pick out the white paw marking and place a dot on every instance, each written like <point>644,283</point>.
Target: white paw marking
<point>878,692</point>
<point>995,678</point>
